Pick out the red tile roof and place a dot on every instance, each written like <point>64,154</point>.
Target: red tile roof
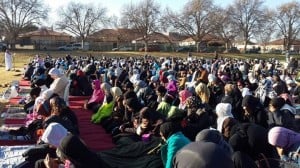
<point>44,32</point>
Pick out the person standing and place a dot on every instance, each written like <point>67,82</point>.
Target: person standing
<point>8,60</point>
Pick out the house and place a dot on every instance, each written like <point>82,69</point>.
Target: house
<point>241,44</point>
<point>207,40</point>
<point>106,39</point>
<point>43,38</point>
<point>279,45</point>
<point>166,42</point>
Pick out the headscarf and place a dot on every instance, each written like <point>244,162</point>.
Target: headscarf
<point>184,95</point>
<point>98,94</point>
<point>77,152</point>
<point>223,111</point>
<point>55,72</point>
<point>80,73</point>
<point>246,92</point>
<point>214,136</point>
<point>167,129</point>
<point>54,133</point>
<point>105,87</point>
<point>203,155</point>
<point>283,137</point>
<point>211,78</point>
<point>251,102</point>
<point>193,103</point>
<point>116,92</point>
<point>47,94</point>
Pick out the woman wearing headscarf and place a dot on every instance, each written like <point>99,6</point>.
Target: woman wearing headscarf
<point>97,97</point>
<point>279,116</point>
<point>223,111</point>
<point>216,88</point>
<point>202,155</point>
<point>73,149</point>
<point>106,108</point>
<point>164,106</point>
<point>254,111</point>
<point>175,140</point>
<point>287,143</point>
<point>234,97</point>
<point>251,140</point>
<point>62,114</point>
<point>183,96</point>
<point>172,85</point>
<point>60,82</point>
<point>197,118</point>
<point>214,136</point>
<point>52,136</point>
<point>279,86</point>
<point>83,84</point>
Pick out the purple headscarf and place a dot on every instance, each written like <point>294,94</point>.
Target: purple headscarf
<point>283,137</point>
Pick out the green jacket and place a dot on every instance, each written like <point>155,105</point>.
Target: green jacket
<point>104,111</point>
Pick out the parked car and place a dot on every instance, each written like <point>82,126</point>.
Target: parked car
<point>183,49</point>
<point>3,47</point>
<point>233,50</point>
<point>123,49</point>
<point>70,47</point>
<point>151,48</point>
<point>77,46</point>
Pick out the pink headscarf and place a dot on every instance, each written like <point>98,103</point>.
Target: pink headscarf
<point>98,93</point>
<point>184,94</point>
<point>283,137</point>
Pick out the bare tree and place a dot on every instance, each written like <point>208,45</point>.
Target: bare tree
<point>143,16</point>
<point>194,20</point>
<point>267,30</point>
<point>288,22</point>
<point>248,17</point>
<point>16,15</point>
<point>82,20</point>
<point>223,27</point>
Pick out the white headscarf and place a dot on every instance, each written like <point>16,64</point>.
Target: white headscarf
<point>223,111</point>
<point>54,133</point>
<point>55,72</point>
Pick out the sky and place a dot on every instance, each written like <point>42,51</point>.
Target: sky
<point>114,7</point>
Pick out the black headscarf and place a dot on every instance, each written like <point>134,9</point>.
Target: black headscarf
<point>214,136</point>
<point>202,155</point>
<point>169,128</point>
<point>208,135</point>
<point>76,151</point>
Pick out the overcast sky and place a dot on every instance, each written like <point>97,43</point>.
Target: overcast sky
<point>115,6</point>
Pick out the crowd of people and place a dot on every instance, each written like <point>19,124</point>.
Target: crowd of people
<point>166,112</point>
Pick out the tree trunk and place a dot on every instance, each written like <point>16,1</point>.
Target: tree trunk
<point>245,46</point>
<point>198,46</point>
<point>146,45</point>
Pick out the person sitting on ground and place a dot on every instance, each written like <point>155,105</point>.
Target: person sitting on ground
<point>287,143</point>
<point>61,114</point>
<point>97,97</point>
<point>208,151</point>
<point>279,116</point>
<point>72,148</point>
<point>51,139</point>
<point>34,93</point>
<point>175,140</point>
<point>60,82</point>
<point>106,109</point>
<point>254,111</point>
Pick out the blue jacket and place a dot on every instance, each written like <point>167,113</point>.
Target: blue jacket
<point>174,143</point>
